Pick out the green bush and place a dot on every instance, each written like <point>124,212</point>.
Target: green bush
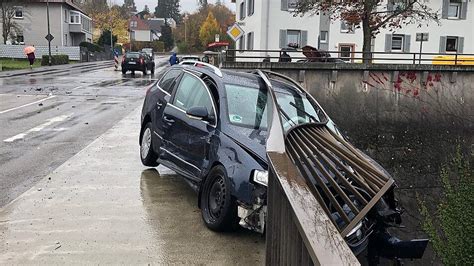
<point>91,47</point>
<point>451,226</point>
<point>60,59</point>
<point>157,46</point>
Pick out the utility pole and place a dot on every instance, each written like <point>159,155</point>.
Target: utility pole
<point>49,33</point>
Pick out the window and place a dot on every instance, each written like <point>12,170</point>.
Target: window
<point>75,18</point>
<point>397,42</point>
<point>454,9</point>
<point>133,24</point>
<point>346,27</point>
<point>346,52</point>
<point>242,43</point>
<point>292,4</point>
<point>192,93</point>
<point>65,39</point>
<point>20,39</point>
<point>323,37</point>
<point>166,82</point>
<point>451,44</point>
<point>132,35</point>
<point>250,41</point>
<point>66,15</point>
<point>242,10</point>
<point>251,7</point>
<point>293,38</point>
<point>18,12</point>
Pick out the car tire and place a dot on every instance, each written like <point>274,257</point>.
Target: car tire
<point>133,72</point>
<point>144,72</point>
<point>153,70</point>
<point>147,154</point>
<point>218,208</point>
<point>124,71</point>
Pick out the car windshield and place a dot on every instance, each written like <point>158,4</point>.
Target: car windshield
<point>247,107</point>
<point>132,55</point>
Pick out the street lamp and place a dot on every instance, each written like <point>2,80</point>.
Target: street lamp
<point>49,33</point>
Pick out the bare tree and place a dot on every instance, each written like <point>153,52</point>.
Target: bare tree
<point>374,15</point>
<point>7,13</point>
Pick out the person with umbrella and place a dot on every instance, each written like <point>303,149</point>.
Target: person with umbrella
<point>30,53</point>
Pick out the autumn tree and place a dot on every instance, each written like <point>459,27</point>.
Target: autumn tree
<point>371,15</point>
<point>209,29</point>
<point>94,6</point>
<point>7,13</point>
<point>129,6</point>
<point>112,19</point>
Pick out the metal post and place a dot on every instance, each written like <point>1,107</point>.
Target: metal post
<point>111,42</point>
<point>421,48</point>
<point>49,32</point>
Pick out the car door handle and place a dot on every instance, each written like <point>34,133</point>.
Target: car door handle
<point>167,120</point>
<point>159,105</point>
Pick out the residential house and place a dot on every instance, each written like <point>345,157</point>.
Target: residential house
<point>271,25</point>
<point>146,30</point>
<point>69,25</point>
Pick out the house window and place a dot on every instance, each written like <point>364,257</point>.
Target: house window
<point>18,12</point>
<point>242,10</point>
<point>75,18</point>
<point>292,4</point>
<point>20,39</point>
<point>293,38</point>
<point>451,44</point>
<point>251,7</point>
<point>250,41</point>
<point>132,35</point>
<point>323,37</point>
<point>346,52</point>
<point>242,43</point>
<point>454,9</point>
<point>133,24</point>
<point>397,42</point>
<point>65,39</point>
<point>347,27</point>
<point>66,13</point>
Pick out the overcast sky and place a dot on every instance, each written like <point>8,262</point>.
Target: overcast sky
<point>186,5</point>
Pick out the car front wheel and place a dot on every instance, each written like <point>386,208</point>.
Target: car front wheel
<point>147,154</point>
<point>218,208</point>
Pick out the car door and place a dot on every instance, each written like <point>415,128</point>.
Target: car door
<point>187,140</point>
<point>161,97</point>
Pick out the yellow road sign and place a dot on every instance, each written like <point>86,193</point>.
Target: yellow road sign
<point>235,32</point>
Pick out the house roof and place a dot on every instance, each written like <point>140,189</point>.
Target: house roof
<point>155,24</point>
<point>70,3</point>
<point>141,24</point>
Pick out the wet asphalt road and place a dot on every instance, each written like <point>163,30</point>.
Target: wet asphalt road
<point>45,118</point>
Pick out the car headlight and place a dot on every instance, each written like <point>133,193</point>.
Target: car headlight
<point>260,177</point>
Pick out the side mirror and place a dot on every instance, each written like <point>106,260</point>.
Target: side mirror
<point>198,113</point>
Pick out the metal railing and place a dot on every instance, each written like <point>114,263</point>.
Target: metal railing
<point>299,232</point>
<point>296,56</point>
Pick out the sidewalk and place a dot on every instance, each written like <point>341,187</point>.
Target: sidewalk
<point>43,69</point>
<point>102,206</point>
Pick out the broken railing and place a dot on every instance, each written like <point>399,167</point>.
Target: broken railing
<point>299,232</point>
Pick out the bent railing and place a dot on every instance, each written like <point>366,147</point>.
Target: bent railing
<point>299,232</point>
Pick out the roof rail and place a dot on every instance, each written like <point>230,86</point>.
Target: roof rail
<point>292,81</point>
<point>216,70</point>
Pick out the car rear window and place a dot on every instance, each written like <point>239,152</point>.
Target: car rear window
<point>135,56</point>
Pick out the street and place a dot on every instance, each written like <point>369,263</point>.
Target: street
<point>73,189</point>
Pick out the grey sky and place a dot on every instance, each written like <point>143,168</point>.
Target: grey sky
<point>186,5</point>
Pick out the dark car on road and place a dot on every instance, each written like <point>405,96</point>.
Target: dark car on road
<point>210,126</point>
<point>138,61</point>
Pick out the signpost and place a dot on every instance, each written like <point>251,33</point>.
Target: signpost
<point>48,37</point>
<point>235,32</point>
<point>421,37</point>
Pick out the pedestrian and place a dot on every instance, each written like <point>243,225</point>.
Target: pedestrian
<point>173,59</point>
<point>30,54</point>
<point>284,57</point>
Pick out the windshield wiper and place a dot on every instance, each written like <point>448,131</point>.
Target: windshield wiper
<point>306,113</point>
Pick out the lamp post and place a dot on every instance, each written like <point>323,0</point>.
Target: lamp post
<point>49,33</point>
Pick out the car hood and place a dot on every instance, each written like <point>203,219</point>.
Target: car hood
<point>251,140</point>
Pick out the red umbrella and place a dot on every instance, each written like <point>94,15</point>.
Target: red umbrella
<point>29,49</point>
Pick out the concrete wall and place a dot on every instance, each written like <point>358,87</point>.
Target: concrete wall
<point>16,51</point>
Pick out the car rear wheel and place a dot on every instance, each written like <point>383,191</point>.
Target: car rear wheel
<point>147,154</point>
<point>144,71</point>
<point>124,71</point>
<point>153,69</point>
<point>218,208</point>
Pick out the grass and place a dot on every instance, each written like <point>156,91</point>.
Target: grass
<point>15,64</point>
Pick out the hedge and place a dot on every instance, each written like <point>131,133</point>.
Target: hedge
<point>91,47</point>
<point>60,59</point>
<point>157,46</point>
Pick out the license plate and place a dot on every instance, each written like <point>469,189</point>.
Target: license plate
<point>132,63</point>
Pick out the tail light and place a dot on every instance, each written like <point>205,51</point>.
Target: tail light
<point>142,61</point>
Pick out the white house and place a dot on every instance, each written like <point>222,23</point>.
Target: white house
<point>271,25</point>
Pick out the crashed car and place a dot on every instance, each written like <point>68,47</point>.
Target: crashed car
<point>210,126</point>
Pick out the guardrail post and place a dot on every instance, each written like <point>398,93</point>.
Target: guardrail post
<point>456,58</point>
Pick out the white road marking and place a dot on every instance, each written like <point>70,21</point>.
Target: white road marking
<point>40,127</point>
<point>25,105</point>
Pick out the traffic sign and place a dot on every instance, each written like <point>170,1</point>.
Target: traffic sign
<point>235,32</point>
<point>49,37</point>
<point>422,37</point>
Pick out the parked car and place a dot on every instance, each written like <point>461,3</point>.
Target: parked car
<point>189,58</point>
<point>148,51</point>
<point>138,61</point>
<point>210,126</point>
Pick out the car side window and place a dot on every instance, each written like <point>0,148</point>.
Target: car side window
<point>166,82</point>
<point>192,92</point>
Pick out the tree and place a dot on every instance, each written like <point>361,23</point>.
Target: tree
<point>168,9</point>
<point>104,38</point>
<point>94,6</point>
<point>112,19</point>
<point>374,15</point>
<point>167,37</point>
<point>129,6</point>
<point>209,29</point>
<point>7,14</point>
